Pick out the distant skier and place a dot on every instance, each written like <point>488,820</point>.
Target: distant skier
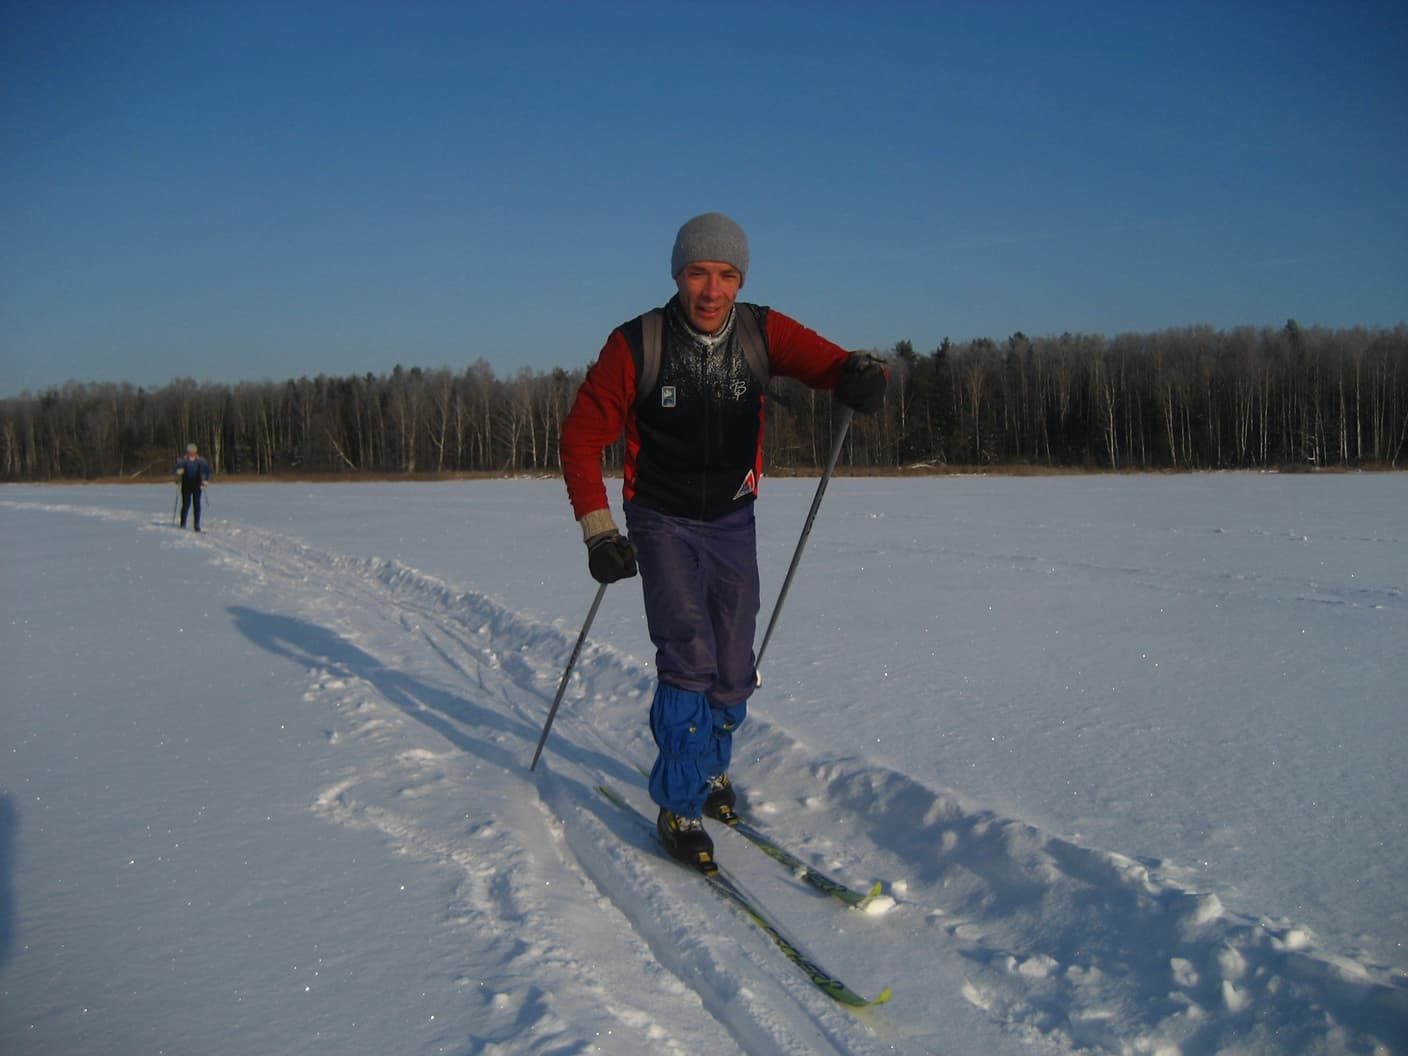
<point>191,473</point>
<point>685,385</point>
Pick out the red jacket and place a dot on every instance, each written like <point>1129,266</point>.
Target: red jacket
<point>694,445</point>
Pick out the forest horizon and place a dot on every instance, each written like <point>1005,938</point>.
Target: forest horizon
<point>1177,399</point>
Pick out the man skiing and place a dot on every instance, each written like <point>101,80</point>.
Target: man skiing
<point>191,474</point>
<point>683,385</point>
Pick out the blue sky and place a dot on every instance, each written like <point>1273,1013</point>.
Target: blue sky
<point>245,190</point>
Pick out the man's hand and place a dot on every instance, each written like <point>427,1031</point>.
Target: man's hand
<point>862,383</point>
<point>610,556</point>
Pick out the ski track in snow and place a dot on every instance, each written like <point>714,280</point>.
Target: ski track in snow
<point>1067,948</point>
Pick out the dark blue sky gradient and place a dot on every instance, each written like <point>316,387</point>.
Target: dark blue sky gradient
<point>232,191</point>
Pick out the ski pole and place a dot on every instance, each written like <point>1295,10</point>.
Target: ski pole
<point>845,420</point>
<point>562,686</point>
<point>175,502</point>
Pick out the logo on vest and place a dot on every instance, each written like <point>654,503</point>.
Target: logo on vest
<point>667,396</point>
<point>749,487</point>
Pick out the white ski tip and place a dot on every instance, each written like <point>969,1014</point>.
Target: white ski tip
<point>876,903</point>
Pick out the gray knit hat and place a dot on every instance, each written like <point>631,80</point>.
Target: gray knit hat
<point>710,236</point>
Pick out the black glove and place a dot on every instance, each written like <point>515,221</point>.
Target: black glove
<point>610,556</point>
<point>862,383</point>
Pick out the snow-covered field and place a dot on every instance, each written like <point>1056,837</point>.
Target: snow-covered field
<point>1128,752</point>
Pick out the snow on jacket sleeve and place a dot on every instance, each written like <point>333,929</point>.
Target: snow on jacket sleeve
<point>598,416</point>
<point>794,351</point>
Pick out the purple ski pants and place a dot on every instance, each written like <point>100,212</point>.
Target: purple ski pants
<point>700,581</point>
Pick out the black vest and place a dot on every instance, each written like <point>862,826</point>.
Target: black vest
<point>700,422</point>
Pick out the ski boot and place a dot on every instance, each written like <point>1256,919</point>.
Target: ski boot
<point>721,801</point>
<point>685,840</point>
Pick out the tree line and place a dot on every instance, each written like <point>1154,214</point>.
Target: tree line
<point>1181,399</point>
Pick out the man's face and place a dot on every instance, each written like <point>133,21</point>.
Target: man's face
<point>708,289</point>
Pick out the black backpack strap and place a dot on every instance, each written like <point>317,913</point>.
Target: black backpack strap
<point>647,356</point>
<point>755,346</point>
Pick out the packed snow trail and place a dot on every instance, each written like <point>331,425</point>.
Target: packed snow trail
<point>345,607</point>
<point>433,698</point>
